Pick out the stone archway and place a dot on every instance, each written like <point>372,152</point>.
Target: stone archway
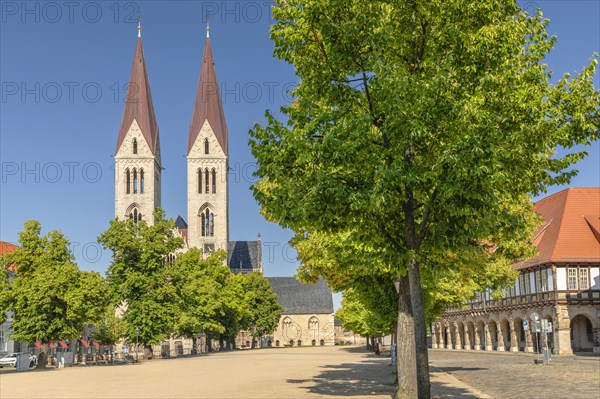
<point>519,333</point>
<point>452,344</point>
<point>506,334</point>
<point>469,335</point>
<point>582,334</point>
<point>480,335</point>
<point>492,339</point>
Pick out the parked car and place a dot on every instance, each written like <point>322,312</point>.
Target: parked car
<point>11,360</point>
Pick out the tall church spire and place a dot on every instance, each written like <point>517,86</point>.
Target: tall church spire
<point>208,105</point>
<point>138,104</point>
<point>137,159</point>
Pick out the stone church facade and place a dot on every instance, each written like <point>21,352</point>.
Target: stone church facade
<point>138,192</point>
<point>561,284</point>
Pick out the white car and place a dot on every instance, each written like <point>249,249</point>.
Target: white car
<point>11,360</point>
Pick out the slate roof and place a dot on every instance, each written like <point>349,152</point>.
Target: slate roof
<point>571,228</point>
<point>244,255</point>
<point>298,298</point>
<point>208,103</point>
<point>140,106</point>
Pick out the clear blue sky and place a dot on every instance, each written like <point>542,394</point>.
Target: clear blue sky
<point>63,71</point>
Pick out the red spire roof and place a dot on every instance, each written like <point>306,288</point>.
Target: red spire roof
<point>138,104</point>
<point>208,103</point>
<point>571,228</point>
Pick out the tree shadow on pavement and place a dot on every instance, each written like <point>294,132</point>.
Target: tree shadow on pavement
<point>445,390</point>
<point>371,376</point>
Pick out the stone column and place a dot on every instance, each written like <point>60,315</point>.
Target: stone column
<point>434,336</point>
<point>457,340</point>
<point>488,338</point>
<point>514,342</point>
<point>529,337</point>
<point>467,338</point>
<point>448,337</point>
<point>442,343</point>
<point>476,337</point>
<point>562,331</point>
<point>500,343</point>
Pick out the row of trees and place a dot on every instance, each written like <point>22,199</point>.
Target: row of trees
<point>418,134</point>
<point>147,294</point>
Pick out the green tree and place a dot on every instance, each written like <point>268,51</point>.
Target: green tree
<point>50,297</point>
<point>264,310</point>
<point>4,293</point>
<point>423,127</point>
<point>201,285</point>
<point>110,328</point>
<point>140,277</point>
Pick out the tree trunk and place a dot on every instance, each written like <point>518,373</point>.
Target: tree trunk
<point>208,343</point>
<point>368,344</point>
<point>405,343</point>
<point>43,357</point>
<point>148,354</point>
<point>418,311</point>
<point>194,345</point>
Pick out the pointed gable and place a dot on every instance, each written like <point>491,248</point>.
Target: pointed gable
<point>138,104</point>
<point>569,230</point>
<point>208,104</point>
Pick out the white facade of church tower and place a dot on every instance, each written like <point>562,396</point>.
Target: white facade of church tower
<point>137,158</point>
<point>207,164</point>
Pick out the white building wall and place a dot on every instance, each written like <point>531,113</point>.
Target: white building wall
<point>595,278</point>
<point>561,278</point>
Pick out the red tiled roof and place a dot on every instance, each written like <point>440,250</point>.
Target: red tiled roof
<point>138,104</point>
<point>571,228</point>
<point>208,104</point>
<point>5,248</point>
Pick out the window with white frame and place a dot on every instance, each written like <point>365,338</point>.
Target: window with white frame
<point>527,283</point>
<point>572,279</point>
<point>544,278</point>
<point>584,278</point>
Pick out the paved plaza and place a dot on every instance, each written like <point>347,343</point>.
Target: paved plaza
<point>309,372</point>
<point>514,375</point>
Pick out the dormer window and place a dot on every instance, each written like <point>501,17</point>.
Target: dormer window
<point>135,146</point>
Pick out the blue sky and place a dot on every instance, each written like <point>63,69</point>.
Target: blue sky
<point>64,68</point>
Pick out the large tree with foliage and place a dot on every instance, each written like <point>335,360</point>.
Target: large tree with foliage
<point>423,127</point>
<point>201,285</point>
<point>264,310</point>
<point>140,276</point>
<point>4,293</point>
<point>50,297</point>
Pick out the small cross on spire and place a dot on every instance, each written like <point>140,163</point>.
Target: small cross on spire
<point>207,29</point>
<point>139,17</point>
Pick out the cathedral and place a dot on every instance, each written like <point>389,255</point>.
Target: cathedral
<point>138,165</point>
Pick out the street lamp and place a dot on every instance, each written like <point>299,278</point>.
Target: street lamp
<point>137,332</point>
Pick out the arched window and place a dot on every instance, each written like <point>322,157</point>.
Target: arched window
<point>214,181</point>
<point>142,181</point>
<point>128,181</point>
<point>287,323</point>
<point>206,146</point>
<point>313,323</point>
<point>207,223</point>
<point>135,181</point>
<point>206,180</point>
<point>135,146</point>
<point>199,181</point>
<point>135,215</point>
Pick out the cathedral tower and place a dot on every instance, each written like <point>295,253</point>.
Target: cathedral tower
<point>207,164</point>
<point>137,158</point>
